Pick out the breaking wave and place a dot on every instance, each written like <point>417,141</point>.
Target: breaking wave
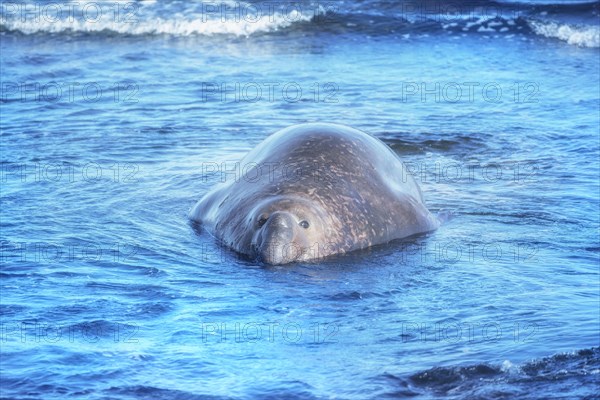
<point>574,24</point>
<point>151,18</point>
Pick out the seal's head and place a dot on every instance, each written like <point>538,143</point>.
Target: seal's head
<point>287,229</point>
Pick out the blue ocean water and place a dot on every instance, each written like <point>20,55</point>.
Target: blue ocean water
<point>114,115</point>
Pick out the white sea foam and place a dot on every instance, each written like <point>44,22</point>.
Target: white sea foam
<point>158,26</point>
<point>583,36</point>
<point>145,21</point>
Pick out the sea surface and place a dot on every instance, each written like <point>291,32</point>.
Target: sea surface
<point>116,117</point>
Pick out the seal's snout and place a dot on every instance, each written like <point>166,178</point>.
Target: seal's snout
<point>280,226</point>
<point>275,239</point>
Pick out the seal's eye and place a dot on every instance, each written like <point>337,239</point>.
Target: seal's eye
<point>262,219</point>
<point>304,224</point>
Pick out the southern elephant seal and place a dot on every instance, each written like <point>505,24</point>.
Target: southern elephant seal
<point>313,190</point>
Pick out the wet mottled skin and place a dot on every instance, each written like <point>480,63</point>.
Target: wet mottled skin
<point>313,190</point>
